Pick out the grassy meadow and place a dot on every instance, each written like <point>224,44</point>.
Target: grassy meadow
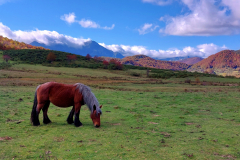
<point>143,118</point>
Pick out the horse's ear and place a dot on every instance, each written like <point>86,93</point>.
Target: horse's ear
<point>101,106</point>
<point>94,107</point>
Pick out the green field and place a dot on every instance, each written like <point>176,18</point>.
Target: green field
<point>143,118</point>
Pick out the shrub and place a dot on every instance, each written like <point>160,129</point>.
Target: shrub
<point>135,74</point>
<point>88,57</point>
<point>115,65</point>
<point>5,65</point>
<point>187,80</point>
<point>197,80</point>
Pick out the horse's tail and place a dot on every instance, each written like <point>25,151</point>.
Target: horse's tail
<point>34,115</point>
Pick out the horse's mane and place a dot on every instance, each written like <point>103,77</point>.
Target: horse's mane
<point>88,97</point>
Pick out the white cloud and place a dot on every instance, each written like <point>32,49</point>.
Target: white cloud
<point>41,36</point>
<point>206,18</point>
<point>91,24</point>
<point>85,23</point>
<point>88,24</point>
<point>69,18</point>
<point>158,2</point>
<point>234,6</point>
<point>109,28</point>
<point>203,50</point>
<point>146,28</point>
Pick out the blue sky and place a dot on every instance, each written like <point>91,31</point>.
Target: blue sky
<point>156,28</point>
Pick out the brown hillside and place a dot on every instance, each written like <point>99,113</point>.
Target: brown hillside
<point>191,60</point>
<point>145,61</point>
<point>223,59</point>
<point>226,62</point>
<point>9,44</point>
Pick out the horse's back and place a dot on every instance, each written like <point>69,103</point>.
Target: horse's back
<point>61,95</point>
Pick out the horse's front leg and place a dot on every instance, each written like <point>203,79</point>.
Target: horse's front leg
<point>77,122</point>
<point>70,116</point>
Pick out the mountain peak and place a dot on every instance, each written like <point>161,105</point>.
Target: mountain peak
<point>89,47</point>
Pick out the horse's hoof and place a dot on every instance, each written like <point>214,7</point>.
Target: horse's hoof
<point>47,122</point>
<point>78,125</point>
<point>36,124</point>
<point>70,122</point>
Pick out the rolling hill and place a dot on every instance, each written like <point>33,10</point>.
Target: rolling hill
<point>145,61</point>
<point>226,62</point>
<point>9,44</point>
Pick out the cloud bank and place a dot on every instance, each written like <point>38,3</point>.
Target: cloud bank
<point>53,37</point>
<point>203,50</point>
<point>205,18</point>
<point>85,23</point>
<point>41,36</point>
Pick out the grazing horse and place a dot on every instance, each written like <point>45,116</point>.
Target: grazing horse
<point>63,95</point>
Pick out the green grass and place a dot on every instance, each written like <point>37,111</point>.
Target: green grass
<point>148,121</point>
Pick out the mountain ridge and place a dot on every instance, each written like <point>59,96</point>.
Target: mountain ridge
<point>89,47</point>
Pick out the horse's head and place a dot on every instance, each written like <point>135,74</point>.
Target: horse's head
<point>96,116</point>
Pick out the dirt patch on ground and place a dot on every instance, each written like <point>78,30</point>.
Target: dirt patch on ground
<point>116,124</point>
<point>5,138</point>
<point>152,122</point>
<point>167,135</point>
<point>189,123</point>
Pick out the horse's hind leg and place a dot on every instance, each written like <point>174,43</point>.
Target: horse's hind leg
<point>46,120</point>
<point>70,116</point>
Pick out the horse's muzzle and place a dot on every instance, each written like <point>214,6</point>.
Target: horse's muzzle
<point>97,125</point>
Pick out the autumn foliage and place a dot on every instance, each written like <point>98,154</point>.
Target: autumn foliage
<point>223,59</point>
<point>88,57</point>
<point>9,44</point>
<point>71,57</point>
<point>113,64</point>
<point>6,57</point>
<point>51,57</point>
<point>98,59</point>
<point>145,61</point>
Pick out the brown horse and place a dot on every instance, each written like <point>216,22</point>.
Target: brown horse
<point>63,95</point>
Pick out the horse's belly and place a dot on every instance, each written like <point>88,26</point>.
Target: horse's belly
<point>61,102</point>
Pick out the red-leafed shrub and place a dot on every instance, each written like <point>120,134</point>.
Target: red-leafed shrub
<point>71,57</point>
<point>6,57</point>
<point>98,59</point>
<point>105,64</point>
<point>88,57</point>
<point>115,65</point>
